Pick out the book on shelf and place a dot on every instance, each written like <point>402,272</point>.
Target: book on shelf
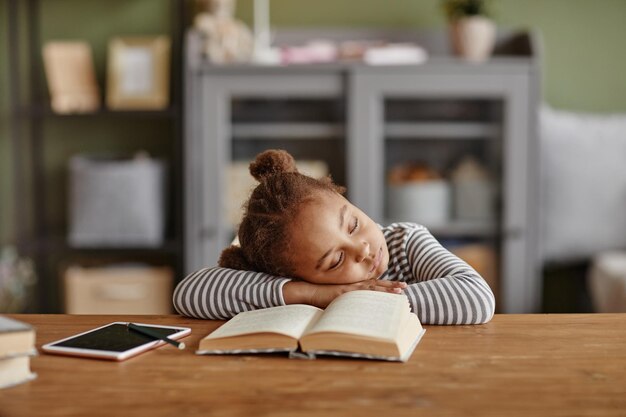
<point>359,324</point>
<point>17,345</point>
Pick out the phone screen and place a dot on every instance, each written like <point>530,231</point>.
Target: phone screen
<point>114,337</point>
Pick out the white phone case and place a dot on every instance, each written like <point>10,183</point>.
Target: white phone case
<point>113,355</point>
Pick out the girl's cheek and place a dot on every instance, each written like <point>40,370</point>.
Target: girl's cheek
<point>358,273</point>
<point>347,276</point>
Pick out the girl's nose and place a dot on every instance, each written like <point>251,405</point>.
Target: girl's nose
<point>362,251</point>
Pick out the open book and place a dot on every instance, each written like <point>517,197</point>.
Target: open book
<point>363,324</point>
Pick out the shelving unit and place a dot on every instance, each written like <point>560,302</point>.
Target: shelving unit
<point>430,130</point>
<point>370,119</point>
<point>286,130</point>
<point>43,141</point>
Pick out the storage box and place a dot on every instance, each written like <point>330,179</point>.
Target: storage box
<point>423,202</point>
<point>473,190</point>
<point>607,282</point>
<point>116,202</point>
<point>118,290</point>
<point>483,259</point>
<point>473,200</point>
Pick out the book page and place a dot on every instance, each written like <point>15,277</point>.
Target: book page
<point>291,320</point>
<point>365,313</point>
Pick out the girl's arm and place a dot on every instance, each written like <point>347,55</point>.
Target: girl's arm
<point>444,289</point>
<point>220,293</point>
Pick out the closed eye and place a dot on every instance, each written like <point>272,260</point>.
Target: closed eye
<point>336,264</point>
<point>355,225</point>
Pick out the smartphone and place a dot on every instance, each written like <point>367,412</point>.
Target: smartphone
<point>113,341</point>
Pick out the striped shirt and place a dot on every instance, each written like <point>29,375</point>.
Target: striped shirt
<point>442,289</point>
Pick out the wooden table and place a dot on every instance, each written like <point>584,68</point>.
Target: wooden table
<point>516,365</point>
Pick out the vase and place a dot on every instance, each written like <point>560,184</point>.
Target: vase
<point>425,202</point>
<point>473,37</point>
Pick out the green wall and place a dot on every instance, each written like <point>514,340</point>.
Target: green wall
<point>584,58</point>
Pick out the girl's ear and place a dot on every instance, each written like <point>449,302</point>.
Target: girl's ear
<point>233,258</point>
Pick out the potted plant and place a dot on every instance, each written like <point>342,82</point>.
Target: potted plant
<point>17,281</point>
<point>472,32</point>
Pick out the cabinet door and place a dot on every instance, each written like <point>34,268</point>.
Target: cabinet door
<point>241,116</point>
<point>402,117</point>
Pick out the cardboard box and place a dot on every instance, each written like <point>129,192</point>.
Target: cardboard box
<point>118,290</point>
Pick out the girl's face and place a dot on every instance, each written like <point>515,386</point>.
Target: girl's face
<point>333,242</point>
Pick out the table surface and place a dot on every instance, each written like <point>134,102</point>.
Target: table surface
<point>530,365</point>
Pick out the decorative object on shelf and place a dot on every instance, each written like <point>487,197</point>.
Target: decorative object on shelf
<point>138,73</point>
<point>472,190</point>
<point>372,52</point>
<point>226,39</point>
<point>472,32</point>
<point>395,54</point>
<point>355,50</point>
<point>71,77</point>
<point>17,281</point>
<point>418,193</point>
<point>313,52</point>
<point>118,289</point>
<point>263,51</point>
<point>116,202</point>
<point>240,184</point>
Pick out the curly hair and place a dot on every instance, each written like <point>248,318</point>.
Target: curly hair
<point>264,233</point>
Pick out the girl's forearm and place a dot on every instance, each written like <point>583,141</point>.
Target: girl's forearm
<point>320,295</point>
<point>297,292</point>
<point>221,293</point>
<point>461,299</point>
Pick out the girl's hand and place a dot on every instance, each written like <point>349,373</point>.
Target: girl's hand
<point>320,295</point>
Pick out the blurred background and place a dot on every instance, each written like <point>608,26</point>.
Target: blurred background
<point>126,127</point>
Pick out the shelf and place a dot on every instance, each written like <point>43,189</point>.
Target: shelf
<point>60,244</point>
<point>46,111</point>
<point>293,130</point>
<point>455,229</point>
<point>35,123</point>
<point>462,229</point>
<point>452,130</point>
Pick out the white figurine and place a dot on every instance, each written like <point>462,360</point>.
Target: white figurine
<point>227,39</point>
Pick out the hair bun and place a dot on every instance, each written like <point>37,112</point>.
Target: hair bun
<point>233,258</point>
<point>271,162</point>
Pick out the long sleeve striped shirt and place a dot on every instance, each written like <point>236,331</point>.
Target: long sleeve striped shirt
<point>442,289</point>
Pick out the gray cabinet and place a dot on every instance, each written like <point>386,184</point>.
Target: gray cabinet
<point>364,120</point>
